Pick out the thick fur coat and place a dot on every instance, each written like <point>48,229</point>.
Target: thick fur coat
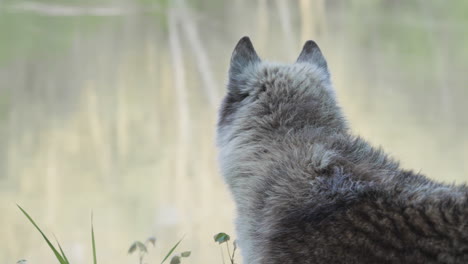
<point>309,191</point>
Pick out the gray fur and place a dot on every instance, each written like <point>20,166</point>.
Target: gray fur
<point>308,191</point>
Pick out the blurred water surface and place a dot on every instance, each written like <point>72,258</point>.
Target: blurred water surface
<point>110,106</point>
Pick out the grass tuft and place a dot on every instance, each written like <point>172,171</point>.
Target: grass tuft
<point>172,250</point>
<point>60,258</point>
<point>93,240</point>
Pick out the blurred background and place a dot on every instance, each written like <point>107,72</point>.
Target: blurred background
<point>110,106</point>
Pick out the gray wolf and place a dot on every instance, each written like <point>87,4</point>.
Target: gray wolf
<point>309,191</point>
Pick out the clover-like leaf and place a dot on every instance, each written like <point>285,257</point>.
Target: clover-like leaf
<point>221,238</point>
<point>137,245</point>
<point>141,246</point>
<point>175,260</point>
<point>132,248</point>
<point>151,240</point>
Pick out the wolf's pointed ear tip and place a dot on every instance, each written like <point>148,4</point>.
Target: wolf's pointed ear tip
<point>244,41</point>
<point>310,44</point>
<point>244,38</point>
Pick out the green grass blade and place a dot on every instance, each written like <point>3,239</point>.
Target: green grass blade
<point>57,254</point>
<point>93,240</point>
<point>61,251</point>
<point>172,250</point>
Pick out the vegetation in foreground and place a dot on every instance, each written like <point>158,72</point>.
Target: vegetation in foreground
<point>223,238</point>
<point>136,247</point>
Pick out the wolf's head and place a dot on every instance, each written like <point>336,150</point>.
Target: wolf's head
<point>265,97</point>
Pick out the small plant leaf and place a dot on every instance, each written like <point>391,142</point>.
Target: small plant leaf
<point>56,253</point>
<point>172,250</point>
<point>137,245</point>
<point>221,238</point>
<point>175,260</point>
<point>186,254</point>
<point>141,247</point>
<point>132,248</point>
<point>22,261</point>
<point>151,240</point>
<point>93,240</point>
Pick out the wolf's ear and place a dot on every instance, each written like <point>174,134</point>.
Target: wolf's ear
<point>243,55</point>
<point>311,54</point>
